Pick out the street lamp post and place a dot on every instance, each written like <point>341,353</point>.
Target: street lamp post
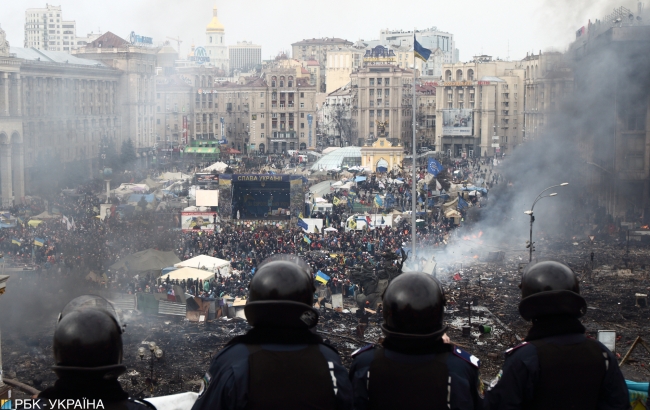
<point>156,352</point>
<point>532,217</point>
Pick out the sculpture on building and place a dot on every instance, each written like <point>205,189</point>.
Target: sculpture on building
<point>381,128</point>
<point>4,44</point>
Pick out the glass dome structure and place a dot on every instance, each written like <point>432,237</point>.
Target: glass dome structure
<point>347,156</point>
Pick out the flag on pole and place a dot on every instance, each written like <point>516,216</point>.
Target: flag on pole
<point>419,51</point>
<point>307,240</point>
<point>434,167</point>
<point>39,242</point>
<point>327,221</point>
<point>378,201</point>
<point>457,276</point>
<point>353,224</point>
<point>336,201</point>
<point>315,229</point>
<point>16,241</point>
<point>368,220</point>
<point>302,224</point>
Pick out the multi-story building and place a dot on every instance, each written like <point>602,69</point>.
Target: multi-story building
<point>273,112</point>
<point>342,61</point>
<point>45,29</point>
<point>431,38</point>
<point>244,56</point>
<point>608,116</point>
<point>137,92</point>
<point>549,81</point>
<point>174,95</point>
<point>382,93</point>
<point>84,41</point>
<point>426,115</point>
<point>54,107</point>
<point>316,48</point>
<point>479,107</point>
<point>215,43</point>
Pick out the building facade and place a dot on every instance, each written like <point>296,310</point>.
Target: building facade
<point>45,29</point>
<point>382,94</point>
<point>52,111</point>
<point>244,56</point>
<point>317,48</point>
<point>136,96</point>
<point>479,107</point>
<point>215,43</point>
<point>548,82</point>
<point>269,113</point>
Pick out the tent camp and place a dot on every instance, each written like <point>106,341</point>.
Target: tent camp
<point>149,260</point>
<point>187,273</point>
<point>208,262</point>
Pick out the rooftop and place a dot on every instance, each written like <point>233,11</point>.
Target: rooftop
<point>325,40</point>
<point>32,54</point>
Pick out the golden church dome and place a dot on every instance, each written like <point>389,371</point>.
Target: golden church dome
<point>215,25</point>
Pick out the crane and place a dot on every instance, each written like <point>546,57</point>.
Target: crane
<point>179,41</point>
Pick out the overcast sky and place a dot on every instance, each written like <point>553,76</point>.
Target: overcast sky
<point>500,28</point>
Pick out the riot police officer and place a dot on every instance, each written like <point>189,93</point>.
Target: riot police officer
<point>414,368</point>
<point>557,367</point>
<point>87,349</point>
<point>280,363</point>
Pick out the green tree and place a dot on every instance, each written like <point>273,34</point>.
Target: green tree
<point>128,154</point>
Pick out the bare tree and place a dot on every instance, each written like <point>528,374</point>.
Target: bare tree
<point>342,122</point>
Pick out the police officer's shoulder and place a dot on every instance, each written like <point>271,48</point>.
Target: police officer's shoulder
<point>469,358</point>
<point>520,348</point>
<point>362,349</point>
<point>135,404</point>
<point>364,355</point>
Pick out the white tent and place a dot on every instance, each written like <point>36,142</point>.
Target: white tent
<point>210,263</point>
<point>174,176</point>
<point>186,273</point>
<point>217,166</point>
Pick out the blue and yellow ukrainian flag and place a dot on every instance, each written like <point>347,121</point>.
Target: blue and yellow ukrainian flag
<point>307,240</point>
<point>16,241</point>
<point>321,277</point>
<point>419,51</point>
<point>39,242</point>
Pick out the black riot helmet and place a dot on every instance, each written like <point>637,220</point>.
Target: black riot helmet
<point>413,307</point>
<point>281,294</point>
<point>88,339</point>
<point>550,288</point>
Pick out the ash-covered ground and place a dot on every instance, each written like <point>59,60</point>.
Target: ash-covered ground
<point>188,347</point>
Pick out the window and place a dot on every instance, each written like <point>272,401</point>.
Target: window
<point>302,125</point>
<point>262,135</point>
<point>371,113</point>
<point>302,135</point>
<point>262,126</point>
<point>158,96</point>
<point>379,81</point>
<point>386,113</point>
<point>158,108</point>
<point>302,115</point>
<point>302,105</point>
<point>372,92</point>
<point>262,95</point>
<point>261,105</point>
<point>387,82</point>
<point>372,82</point>
<point>302,95</point>
<point>158,120</point>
